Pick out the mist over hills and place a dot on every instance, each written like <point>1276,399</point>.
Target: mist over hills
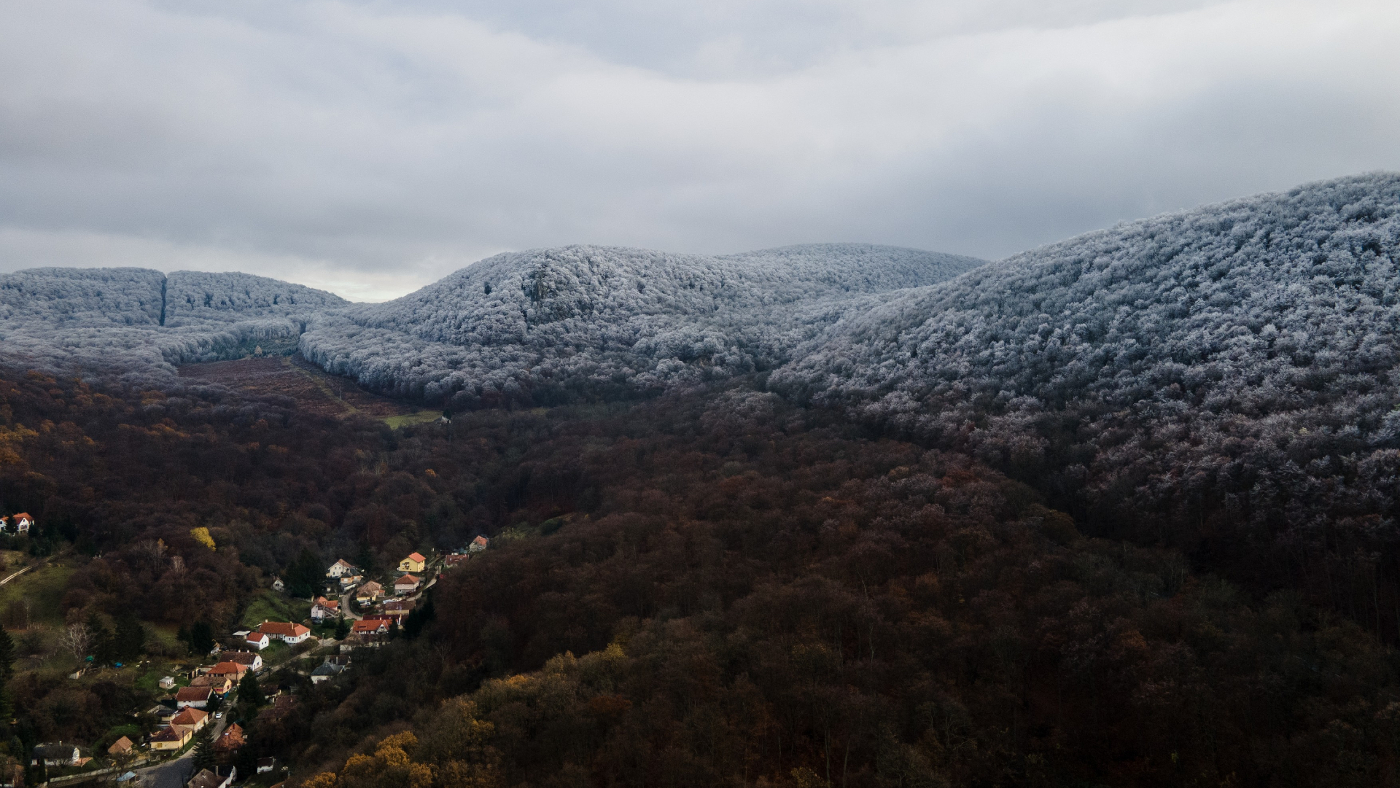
<point>548,325</point>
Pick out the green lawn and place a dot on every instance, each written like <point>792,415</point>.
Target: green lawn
<point>272,606</point>
<point>421,417</point>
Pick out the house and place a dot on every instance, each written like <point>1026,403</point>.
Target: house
<point>121,746</point>
<point>249,658</point>
<point>194,718</point>
<point>231,741</point>
<point>340,569</point>
<point>350,581</point>
<point>278,585</point>
<point>218,777</point>
<point>288,633</point>
<point>171,737</point>
<point>406,585</point>
<point>369,592</point>
<point>454,560</point>
<point>257,640</point>
<point>281,706</point>
<point>58,754</point>
<point>161,712</point>
<point>197,697</point>
<point>375,626</point>
<point>219,685</point>
<point>266,765</point>
<point>323,609</point>
<point>415,562</point>
<point>478,544</point>
<point>397,608</point>
<point>325,672</point>
<point>167,683</point>
<point>232,670</point>
<point>20,523</point>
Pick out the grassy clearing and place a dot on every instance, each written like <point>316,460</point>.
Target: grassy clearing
<point>408,419</point>
<point>42,588</point>
<point>272,606</point>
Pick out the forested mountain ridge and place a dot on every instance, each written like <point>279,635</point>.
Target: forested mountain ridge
<point>133,319</point>
<point>547,325</point>
<point>1226,379</point>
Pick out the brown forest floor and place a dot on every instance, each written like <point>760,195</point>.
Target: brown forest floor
<point>313,389</point>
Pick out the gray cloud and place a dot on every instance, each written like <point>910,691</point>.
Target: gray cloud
<point>371,147</point>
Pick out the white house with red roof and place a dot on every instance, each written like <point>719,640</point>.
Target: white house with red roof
<point>406,585</point>
<point>287,632</point>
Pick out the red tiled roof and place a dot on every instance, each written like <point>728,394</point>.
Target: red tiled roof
<point>417,557</point>
<point>371,625</point>
<point>406,580</point>
<point>193,693</point>
<point>282,629</point>
<point>189,716</point>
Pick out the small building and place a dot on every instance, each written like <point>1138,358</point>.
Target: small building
<point>171,737</point>
<point>252,659</point>
<point>217,777</point>
<point>20,523</point>
<point>455,560</point>
<point>197,697</point>
<point>370,626</point>
<point>194,718</point>
<point>397,608</point>
<point>369,592</point>
<point>129,779</point>
<point>121,746</point>
<point>415,562</point>
<point>257,640</point>
<point>287,632</point>
<point>340,568</point>
<point>266,765</point>
<point>57,754</point>
<point>281,706</point>
<point>278,585</point>
<point>231,741</point>
<point>406,585</point>
<point>219,685</point>
<point>167,683</point>
<point>229,669</point>
<point>325,672</point>
<point>478,544</point>
<point>323,609</point>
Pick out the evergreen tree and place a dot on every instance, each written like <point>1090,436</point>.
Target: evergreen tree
<point>130,639</point>
<point>342,628</point>
<point>419,618</point>
<point>304,576</point>
<point>104,646</point>
<point>249,693</point>
<point>201,638</point>
<point>7,666</point>
<point>204,749</point>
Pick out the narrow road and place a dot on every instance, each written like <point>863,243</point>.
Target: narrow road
<point>345,600</point>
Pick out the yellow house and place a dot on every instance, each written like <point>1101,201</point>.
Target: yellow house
<point>413,563</point>
<point>172,737</point>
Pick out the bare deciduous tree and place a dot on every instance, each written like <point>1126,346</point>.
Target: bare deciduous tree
<point>76,638</point>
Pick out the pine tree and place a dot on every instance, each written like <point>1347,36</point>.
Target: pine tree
<point>104,646</point>
<point>304,575</point>
<point>249,692</point>
<point>7,666</point>
<point>204,749</point>
<point>130,639</point>
<point>342,629</point>
<point>201,638</point>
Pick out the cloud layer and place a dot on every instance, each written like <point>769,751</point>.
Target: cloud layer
<point>369,148</point>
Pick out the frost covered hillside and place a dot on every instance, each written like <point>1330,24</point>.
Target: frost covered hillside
<point>1245,355</point>
<point>549,324</point>
<point>132,318</point>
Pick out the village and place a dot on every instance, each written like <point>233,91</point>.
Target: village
<point>195,735</point>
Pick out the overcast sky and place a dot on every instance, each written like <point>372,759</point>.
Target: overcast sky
<point>371,147</point>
